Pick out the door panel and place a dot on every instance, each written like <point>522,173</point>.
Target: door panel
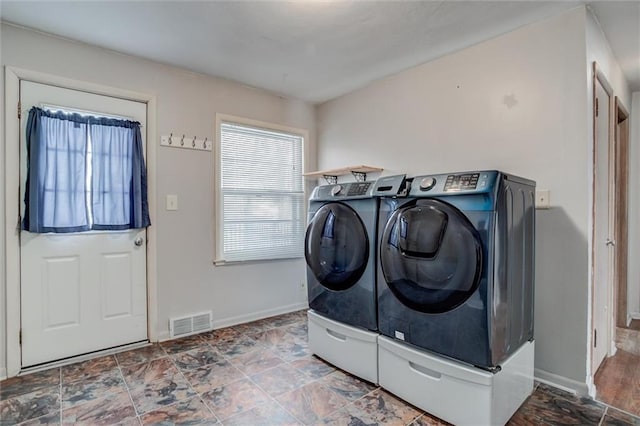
<point>603,236</point>
<point>116,285</point>
<point>80,292</point>
<point>60,289</point>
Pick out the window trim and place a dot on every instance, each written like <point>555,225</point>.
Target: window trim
<point>218,218</point>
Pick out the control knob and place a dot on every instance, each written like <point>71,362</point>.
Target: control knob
<point>427,183</point>
<point>336,190</point>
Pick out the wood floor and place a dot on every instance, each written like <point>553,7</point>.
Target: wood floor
<point>628,340</point>
<point>618,382</point>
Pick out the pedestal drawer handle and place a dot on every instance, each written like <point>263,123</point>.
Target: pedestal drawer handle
<point>337,336</point>
<point>432,374</point>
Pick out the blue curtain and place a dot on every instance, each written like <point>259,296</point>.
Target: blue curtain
<point>55,192</point>
<point>65,192</point>
<point>119,184</point>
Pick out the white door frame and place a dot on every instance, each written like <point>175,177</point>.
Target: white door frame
<point>12,198</point>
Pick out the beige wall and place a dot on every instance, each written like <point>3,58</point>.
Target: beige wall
<point>514,103</point>
<point>186,104</point>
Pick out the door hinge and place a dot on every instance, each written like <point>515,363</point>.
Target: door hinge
<point>595,338</point>
<point>19,110</point>
<point>597,107</point>
<point>20,337</point>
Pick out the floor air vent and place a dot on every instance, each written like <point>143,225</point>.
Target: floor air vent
<point>184,326</point>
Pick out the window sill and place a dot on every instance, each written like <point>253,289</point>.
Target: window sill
<point>222,262</point>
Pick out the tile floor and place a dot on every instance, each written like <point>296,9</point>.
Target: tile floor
<point>260,373</point>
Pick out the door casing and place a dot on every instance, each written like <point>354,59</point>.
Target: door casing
<point>618,229</point>
<point>12,199</point>
<point>621,227</point>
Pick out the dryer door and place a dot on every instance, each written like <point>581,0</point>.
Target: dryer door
<point>431,256</point>
<point>336,246</point>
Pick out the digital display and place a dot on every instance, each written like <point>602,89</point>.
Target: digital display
<point>461,182</point>
<point>358,188</point>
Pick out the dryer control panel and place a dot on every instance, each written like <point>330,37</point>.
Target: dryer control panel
<point>453,183</point>
<point>358,188</point>
<point>339,191</point>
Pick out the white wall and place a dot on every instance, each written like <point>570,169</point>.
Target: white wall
<point>634,208</point>
<point>186,104</point>
<point>514,103</point>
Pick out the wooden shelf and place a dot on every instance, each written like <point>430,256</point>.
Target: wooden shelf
<point>331,176</point>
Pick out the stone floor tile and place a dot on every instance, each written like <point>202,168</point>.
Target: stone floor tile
<point>110,410</point>
<point>209,377</point>
<point>234,398</point>
<point>29,383</point>
<point>311,402</point>
<point>138,356</point>
<point>30,406</point>
<point>188,412</point>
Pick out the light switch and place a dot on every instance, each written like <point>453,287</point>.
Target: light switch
<point>543,199</point>
<point>172,202</point>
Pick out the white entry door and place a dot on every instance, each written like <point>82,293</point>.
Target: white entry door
<point>85,291</point>
<point>603,243</point>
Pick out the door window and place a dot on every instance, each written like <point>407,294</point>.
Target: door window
<point>83,173</point>
<point>337,246</point>
<point>431,256</point>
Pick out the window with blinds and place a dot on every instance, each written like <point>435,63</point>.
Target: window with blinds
<point>261,204</point>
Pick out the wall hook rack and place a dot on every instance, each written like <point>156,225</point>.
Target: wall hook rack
<point>179,142</point>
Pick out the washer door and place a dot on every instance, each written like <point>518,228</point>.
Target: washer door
<point>336,246</point>
<point>431,256</point>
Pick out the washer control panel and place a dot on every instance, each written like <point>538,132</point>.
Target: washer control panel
<point>453,183</point>
<point>461,182</point>
<point>428,183</point>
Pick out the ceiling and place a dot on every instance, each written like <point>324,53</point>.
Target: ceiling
<point>308,49</point>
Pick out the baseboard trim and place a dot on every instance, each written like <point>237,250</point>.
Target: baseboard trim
<point>634,315</point>
<point>241,319</point>
<point>561,382</point>
<point>253,316</point>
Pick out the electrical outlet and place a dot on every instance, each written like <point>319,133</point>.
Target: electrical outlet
<point>543,199</point>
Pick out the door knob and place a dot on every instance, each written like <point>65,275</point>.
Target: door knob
<point>138,241</point>
<point>610,242</point>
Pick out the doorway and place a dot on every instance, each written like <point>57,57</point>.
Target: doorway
<point>13,77</point>
<point>80,292</point>
<point>621,158</point>
<point>616,376</point>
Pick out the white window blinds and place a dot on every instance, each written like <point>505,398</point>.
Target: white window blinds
<point>262,193</point>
